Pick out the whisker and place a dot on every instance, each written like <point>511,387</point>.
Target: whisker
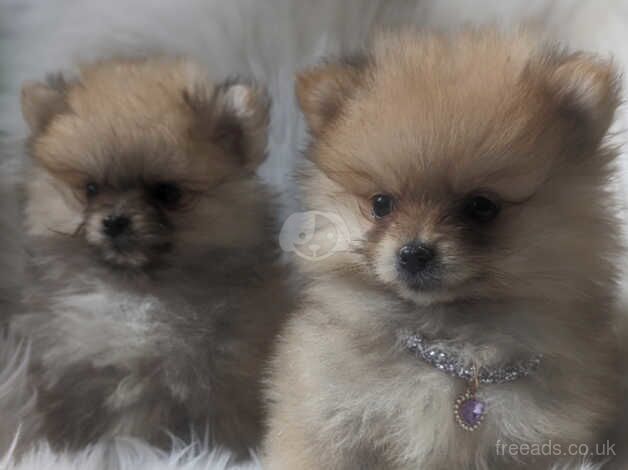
<point>57,232</point>
<point>79,230</point>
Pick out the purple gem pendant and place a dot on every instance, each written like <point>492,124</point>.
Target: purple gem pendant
<point>469,410</point>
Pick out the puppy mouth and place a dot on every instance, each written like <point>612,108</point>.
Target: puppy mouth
<point>429,280</point>
<point>132,253</point>
<point>127,242</point>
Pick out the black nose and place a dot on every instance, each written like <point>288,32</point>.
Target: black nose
<point>114,226</point>
<point>413,257</point>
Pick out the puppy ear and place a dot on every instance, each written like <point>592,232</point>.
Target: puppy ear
<point>587,92</point>
<point>42,101</point>
<point>323,89</point>
<point>233,115</point>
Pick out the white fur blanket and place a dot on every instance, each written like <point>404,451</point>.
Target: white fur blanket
<point>268,39</point>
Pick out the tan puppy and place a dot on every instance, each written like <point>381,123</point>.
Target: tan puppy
<point>471,309</point>
<point>155,290</point>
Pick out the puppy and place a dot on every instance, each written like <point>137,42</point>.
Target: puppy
<point>155,288</point>
<point>470,311</point>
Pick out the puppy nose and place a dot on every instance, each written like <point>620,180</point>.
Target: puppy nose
<point>114,226</point>
<point>413,257</point>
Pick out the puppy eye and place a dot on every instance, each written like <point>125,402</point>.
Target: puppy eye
<point>91,189</point>
<point>382,205</point>
<point>167,194</point>
<point>481,209</point>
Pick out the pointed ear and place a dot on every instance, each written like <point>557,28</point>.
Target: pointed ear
<point>323,89</point>
<point>41,102</point>
<point>587,92</point>
<point>233,115</point>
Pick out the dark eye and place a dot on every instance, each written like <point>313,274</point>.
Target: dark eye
<point>167,194</point>
<point>382,205</point>
<point>91,189</point>
<point>481,209</point>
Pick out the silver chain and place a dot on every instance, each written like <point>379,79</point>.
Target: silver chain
<point>451,364</point>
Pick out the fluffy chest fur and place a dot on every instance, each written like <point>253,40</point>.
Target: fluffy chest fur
<point>369,399</point>
<point>179,351</point>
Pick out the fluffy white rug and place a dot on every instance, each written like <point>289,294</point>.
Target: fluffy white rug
<point>127,455</point>
<point>268,39</point>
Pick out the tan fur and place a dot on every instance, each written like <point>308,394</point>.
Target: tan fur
<point>166,328</point>
<point>433,120</point>
<point>128,122</point>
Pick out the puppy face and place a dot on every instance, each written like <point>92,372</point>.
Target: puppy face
<point>143,158</point>
<point>465,168</point>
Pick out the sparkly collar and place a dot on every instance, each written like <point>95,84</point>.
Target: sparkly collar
<point>451,364</point>
<point>469,411</point>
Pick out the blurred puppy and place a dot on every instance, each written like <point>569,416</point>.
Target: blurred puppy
<point>155,289</point>
<point>471,311</point>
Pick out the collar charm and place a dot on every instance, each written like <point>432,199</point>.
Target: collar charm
<point>469,410</point>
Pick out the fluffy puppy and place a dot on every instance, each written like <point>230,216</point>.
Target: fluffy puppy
<point>154,287</point>
<point>471,174</point>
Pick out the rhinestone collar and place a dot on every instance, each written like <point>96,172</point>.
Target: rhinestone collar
<point>453,365</point>
<point>469,410</point>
